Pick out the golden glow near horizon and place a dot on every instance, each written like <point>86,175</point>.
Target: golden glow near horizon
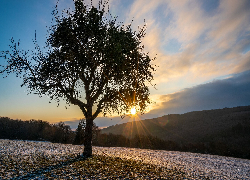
<point>133,111</point>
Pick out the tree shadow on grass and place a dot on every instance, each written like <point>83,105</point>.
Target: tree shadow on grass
<point>41,171</point>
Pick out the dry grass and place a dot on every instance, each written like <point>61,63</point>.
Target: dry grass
<point>97,167</point>
<point>39,160</point>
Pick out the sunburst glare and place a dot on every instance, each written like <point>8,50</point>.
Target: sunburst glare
<point>133,111</point>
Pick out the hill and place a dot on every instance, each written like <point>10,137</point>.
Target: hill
<point>228,125</point>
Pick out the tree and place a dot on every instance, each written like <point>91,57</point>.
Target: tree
<point>91,61</point>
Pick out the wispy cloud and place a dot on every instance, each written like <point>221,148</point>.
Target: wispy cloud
<point>210,44</point>
<point>188,22</point>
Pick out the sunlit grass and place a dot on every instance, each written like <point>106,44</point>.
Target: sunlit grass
<point>41,160</point>
<point>44,160</point>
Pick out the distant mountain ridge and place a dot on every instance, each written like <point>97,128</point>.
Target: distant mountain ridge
<point>225,124</point>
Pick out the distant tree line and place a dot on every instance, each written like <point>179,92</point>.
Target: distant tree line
<point>138,141</point>
<point>39,130</point>
<point>215,146</point>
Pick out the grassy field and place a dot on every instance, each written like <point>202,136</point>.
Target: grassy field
<point>44,160</point>
<point>99,167</point>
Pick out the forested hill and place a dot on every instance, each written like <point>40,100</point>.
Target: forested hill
<point>219,125</point>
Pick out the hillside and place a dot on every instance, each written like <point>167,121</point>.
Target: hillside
<point>226,125</point>
<point>45,160</point>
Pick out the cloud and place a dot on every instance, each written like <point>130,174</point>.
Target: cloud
<point>245,65</point>
<point>210,44</point>
<point>228,92</point>
<point>143,8</point>
<point>230,20</point>
<point>188,22</point>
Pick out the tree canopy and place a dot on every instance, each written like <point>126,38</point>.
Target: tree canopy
<point>92,62</point>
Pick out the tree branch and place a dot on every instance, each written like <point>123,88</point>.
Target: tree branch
<point>99,107</point>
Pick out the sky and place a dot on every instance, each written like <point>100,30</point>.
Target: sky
<point>202,49</point>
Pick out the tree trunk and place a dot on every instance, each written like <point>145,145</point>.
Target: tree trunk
<point>88,138</point>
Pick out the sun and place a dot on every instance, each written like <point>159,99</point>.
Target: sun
<point>133,111</point>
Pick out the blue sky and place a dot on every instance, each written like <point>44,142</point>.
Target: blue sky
<point>202,47</point>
